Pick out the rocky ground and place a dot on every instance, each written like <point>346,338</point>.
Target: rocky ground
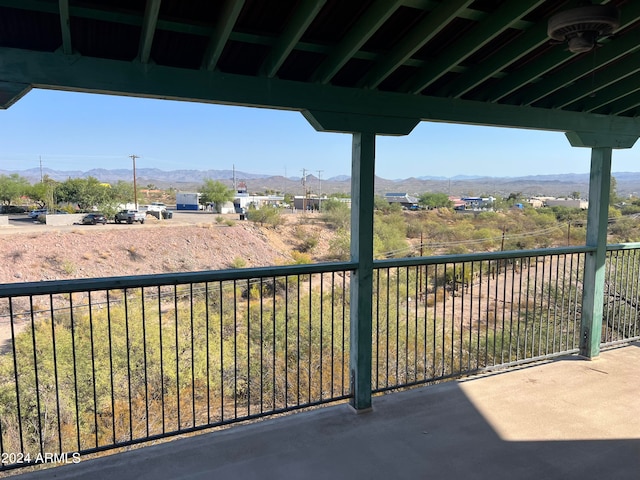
<point>49,253</point>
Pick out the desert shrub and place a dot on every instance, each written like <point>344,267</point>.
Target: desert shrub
<point>336,214</point>
<point>265,216</point>
<point>300,258</point>
<point>339,246</point>
<point>238,262</point>
<point>389,236</point>
<point>415,228</point>
<point>308,239</point>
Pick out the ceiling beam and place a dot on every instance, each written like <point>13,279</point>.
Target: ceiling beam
<point>296,26</point>
<point>65,27</point>
<point>419,35</point>
<point>617,91</point>
<point>592,85</point>
<point>96,75</point>
<point>227,19</point>
<point>485,31</point>
<point>368,24</point>
<point>624,105</point>
<point>149,22</point>
<point>528,41</point>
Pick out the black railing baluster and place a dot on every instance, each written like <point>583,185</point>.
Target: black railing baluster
<point>93,372</point>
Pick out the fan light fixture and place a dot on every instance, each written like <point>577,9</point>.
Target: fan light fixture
<point>581,27</point>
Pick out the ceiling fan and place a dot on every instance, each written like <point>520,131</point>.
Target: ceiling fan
<point>583,26</point>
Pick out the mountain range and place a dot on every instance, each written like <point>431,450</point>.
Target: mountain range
<point>628,183</point>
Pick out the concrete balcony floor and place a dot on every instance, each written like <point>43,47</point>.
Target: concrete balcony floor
<point>565,419</point>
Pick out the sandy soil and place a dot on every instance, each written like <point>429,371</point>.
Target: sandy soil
<point>40,253</point>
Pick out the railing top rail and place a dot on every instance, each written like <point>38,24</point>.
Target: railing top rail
<point>623,246</point>
<point>164,279</point>
<point>477,257</point>
<point>181,278</point>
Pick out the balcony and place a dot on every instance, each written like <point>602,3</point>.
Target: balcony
<point>94,365</point>
<point>564,419</point>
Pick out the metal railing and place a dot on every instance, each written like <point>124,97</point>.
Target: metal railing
<point>90,365</point>
<point>620,322</point>
<point>98,364</point>
<point>443,317</point>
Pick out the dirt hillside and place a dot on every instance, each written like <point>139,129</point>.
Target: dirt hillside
<point>98,251</point>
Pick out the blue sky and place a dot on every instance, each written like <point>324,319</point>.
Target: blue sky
<point>76,131</point>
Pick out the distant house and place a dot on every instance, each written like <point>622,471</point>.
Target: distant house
<point>404,199</point>
<point>567,202</point>
<point>478,203</point>
<point>458,203</point>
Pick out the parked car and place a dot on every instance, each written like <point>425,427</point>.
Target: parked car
<point>94,218</point>
<point>36,213</point>
<point>129,216</point>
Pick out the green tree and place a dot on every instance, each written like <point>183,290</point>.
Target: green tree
<point>213,191</point>
<point>85,192</point>
<point>12,187</point>
<point>43,193</point>
<point>613,191</point>
<point>435,200</point>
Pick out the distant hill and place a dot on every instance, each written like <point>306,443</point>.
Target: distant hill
<point>189,180</point>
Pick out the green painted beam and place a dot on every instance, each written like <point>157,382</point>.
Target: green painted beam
<point>349,123</point>
<point>625,104</point>
<point>296,26</point>
<point>594,268</point>
<point>467,14</point>
<point>524,76</point>
<point>361,283</point>
<point>137,20</point>
<point>601,140</point>
<point>65,27</point>
<point>594,85</point>
<point>368,24</point>
<point>11,92</point>
<point>486,30</point>
<point>85,74</point>
<point>149,23</point>
<point>221,32</point>
<point>492,66</point>
<point>606,96</point>
<point>419,35</point>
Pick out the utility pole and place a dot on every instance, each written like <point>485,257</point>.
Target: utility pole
<point>135,190</point>
<point>235,185</point>
<point>304,190</point>
<point>319,189</point>
<point>41,177</point>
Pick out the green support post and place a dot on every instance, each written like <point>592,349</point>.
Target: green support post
<point>362,182</point>
<point>594,268</point>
